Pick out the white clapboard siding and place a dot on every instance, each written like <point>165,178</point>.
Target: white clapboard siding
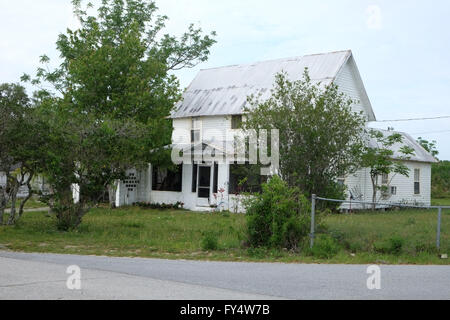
<point>347,82</point>
<point>405,185</point>
<point>213,128</point>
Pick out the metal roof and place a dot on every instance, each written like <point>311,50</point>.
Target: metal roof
<point>420,154</point>
<point>224,91</point>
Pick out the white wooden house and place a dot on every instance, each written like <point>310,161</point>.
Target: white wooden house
<point>413,189</point>
<point>212,106</point>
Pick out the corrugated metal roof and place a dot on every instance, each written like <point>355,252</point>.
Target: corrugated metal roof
<point>224,91</point>
<point>420,154</point>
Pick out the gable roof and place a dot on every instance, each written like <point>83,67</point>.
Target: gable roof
<point>224,90</point>
<point>420,154</point>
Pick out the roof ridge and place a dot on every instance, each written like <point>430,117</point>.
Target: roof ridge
<point>278,59</point>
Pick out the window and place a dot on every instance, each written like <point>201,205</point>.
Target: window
<point>195,130</point>
<point>416,181</point>
<point>236,122</point>
<point>245,178</point>
<point>393,191</point>
<point>195,136</point>
<point>166,179</point>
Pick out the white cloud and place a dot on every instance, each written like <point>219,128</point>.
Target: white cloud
<point>374,17</point>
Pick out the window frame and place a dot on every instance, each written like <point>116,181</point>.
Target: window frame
<point>236,122</point>
<point>196,130</point>
<point>169,175</point>
<point>393,190</point>
<point>417,186</point>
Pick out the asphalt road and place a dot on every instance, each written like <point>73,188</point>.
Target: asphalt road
<point>43,276</point>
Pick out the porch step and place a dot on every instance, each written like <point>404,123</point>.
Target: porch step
<point>203,209</point>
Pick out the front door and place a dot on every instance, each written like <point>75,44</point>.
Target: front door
<point>204,185</point>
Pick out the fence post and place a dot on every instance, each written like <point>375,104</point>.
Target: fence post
<point>438,238</point>
<point>313,216</point>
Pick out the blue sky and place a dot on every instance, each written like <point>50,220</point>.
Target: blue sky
<point>402,47</point>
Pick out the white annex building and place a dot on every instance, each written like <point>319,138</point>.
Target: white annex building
<point>213,105</point>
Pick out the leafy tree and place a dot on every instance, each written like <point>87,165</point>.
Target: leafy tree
<point>378,156</point>
<point>20,142</point>
<point>321,138</point>
<point>440,180</point>
<point>86,155</point>
<point>110,98</point>
<point>430,146</point>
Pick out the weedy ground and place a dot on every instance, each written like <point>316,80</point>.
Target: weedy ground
<point>393,237</point>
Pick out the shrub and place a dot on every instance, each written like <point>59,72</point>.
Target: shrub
<point>356,247</point>
<point>392,246</point>
<point>325,247</point>
<point>210,242</point>
<point>278,217</point>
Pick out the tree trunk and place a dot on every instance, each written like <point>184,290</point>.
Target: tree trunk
<point>4,198</point>
<point>374,191</point>
<point>12,213</point>
<point>24,201</point>
<point>3,203</point>
<point>68,213</point>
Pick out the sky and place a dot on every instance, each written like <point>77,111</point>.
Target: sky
<point>402,47</point>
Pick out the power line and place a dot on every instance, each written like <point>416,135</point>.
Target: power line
<point>430,132</point>
<point>414,119</point>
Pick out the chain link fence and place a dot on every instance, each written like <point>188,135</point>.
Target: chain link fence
<point>378,205</point>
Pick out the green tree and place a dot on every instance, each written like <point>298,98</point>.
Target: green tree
<point>86,155</point>
<point>19,153</point>
<point>321,138</point>
<point>379,157</point>
<point>430,146</point>
<point>440,180</point>
<point>110,98</point>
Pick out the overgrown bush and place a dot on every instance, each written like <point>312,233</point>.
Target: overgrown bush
<point>210,242</point>
<point>392,246</point>
<point>325,247</point>
<point>278,217</point>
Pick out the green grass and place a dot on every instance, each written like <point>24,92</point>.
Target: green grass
<point>440,202</point>
<point>363,233</point>
<point>135,232</point>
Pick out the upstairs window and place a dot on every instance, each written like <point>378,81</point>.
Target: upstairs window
<point>416,181</point>
<point>236,122</point>
<point>195,136</point>
<point>195,130</point>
